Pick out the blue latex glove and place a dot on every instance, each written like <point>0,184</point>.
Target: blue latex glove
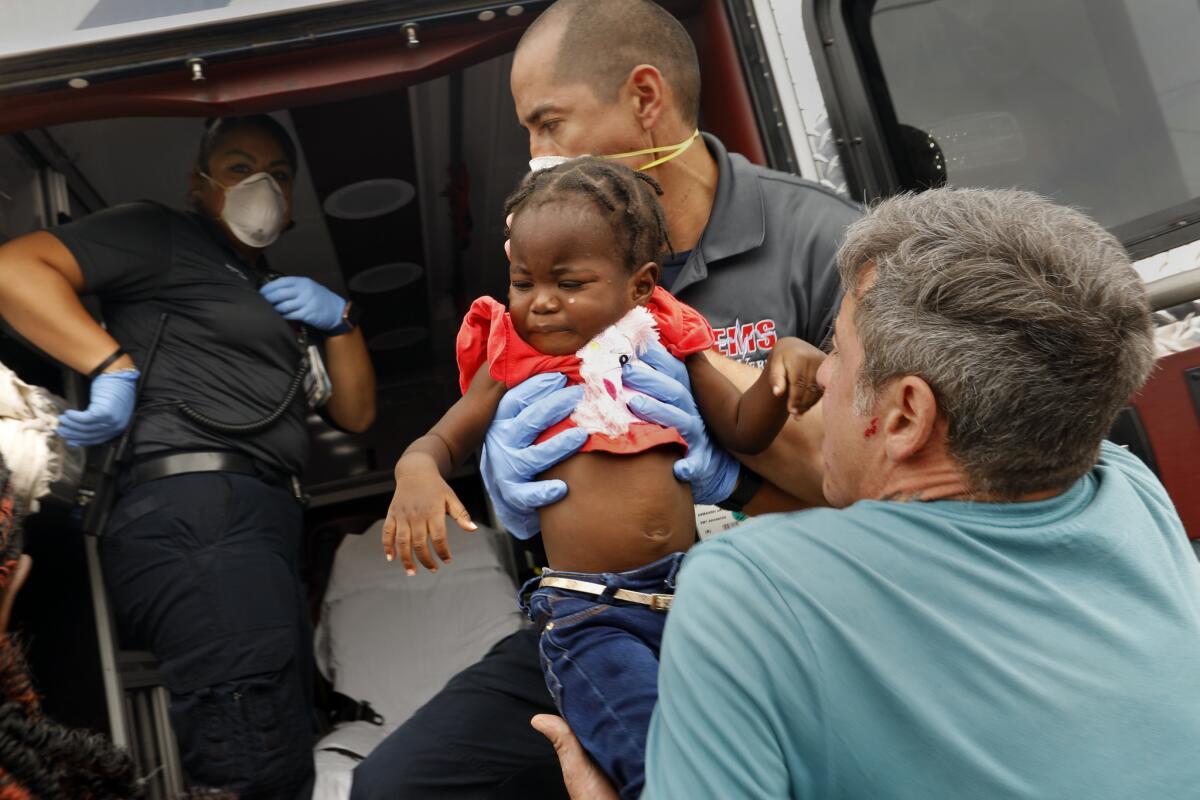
<point>510,460</point>
<point>305,300</point>
<point>711,471</point>
<point>110,407</point>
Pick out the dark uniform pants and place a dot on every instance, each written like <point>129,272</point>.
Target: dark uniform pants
<point>202,570</point>
<point>472,741</point>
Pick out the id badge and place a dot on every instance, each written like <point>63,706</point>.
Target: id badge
<point>317,386</point>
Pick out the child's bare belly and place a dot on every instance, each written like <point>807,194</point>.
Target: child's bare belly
<point>621,512</point>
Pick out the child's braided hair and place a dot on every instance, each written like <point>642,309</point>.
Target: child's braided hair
<point>628,199</point>
<point>39,758</point>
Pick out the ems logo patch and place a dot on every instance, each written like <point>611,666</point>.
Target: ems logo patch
<point>742,339</point>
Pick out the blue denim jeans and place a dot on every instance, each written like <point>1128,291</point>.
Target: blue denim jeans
<point>600,659</point>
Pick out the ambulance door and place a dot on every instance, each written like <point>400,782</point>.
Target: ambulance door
<point>1093,103</point>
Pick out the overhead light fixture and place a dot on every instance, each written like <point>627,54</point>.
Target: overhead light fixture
<point>370,198</point>
<point>397,338</point>
<point>385,277</point>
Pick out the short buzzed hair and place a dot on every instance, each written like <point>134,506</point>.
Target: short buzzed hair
<point>603,40</point>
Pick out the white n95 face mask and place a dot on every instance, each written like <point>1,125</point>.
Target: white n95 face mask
<point>546,162</point>
<point>672,151</point>
<point>254,209</point>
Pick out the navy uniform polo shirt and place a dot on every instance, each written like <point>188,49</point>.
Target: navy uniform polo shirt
<point>225,350</point>
<point>766,264</point>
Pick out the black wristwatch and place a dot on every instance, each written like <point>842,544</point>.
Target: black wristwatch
<point>351,316</point>
<point>748,484</point>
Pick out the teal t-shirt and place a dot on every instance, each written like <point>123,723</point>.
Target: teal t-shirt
<point>947,649</point>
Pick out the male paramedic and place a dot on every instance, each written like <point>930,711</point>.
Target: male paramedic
<point>755,253</point>
<point>1002,605</point>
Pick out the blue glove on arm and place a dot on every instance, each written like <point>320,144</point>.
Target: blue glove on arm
<point>110,407</point>
<point>711,471</point>
<point>510,460</point>
<point>305,300</point>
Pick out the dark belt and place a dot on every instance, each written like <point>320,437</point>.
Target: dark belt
<point>155,467</point>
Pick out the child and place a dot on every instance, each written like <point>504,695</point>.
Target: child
<point>585,239</point>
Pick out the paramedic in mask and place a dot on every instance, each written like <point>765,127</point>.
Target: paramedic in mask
<point>201,548</point>
<point>755,253</point>
<point>1002,604</point>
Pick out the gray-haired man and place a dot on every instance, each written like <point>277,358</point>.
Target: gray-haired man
<point>1003,606</point>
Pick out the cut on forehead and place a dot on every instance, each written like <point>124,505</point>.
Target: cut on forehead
<point>599,42</point>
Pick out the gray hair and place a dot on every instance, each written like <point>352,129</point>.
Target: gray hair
<point>1026,319</point>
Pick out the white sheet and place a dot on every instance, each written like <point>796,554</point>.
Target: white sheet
<point>33,454</point>
<point>394,641</point>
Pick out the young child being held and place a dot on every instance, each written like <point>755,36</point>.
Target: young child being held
<point>586,237</point>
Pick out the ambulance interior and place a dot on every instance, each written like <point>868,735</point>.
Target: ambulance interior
<point>406,221</point>
<point>407,155</point>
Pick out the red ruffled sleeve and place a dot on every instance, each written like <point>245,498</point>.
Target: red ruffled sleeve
<point>681,328</point>
<point>481,339</point>
<point>487,337</point>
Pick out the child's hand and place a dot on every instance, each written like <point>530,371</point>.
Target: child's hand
<point>792,369</point>
<point>417,515</point>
